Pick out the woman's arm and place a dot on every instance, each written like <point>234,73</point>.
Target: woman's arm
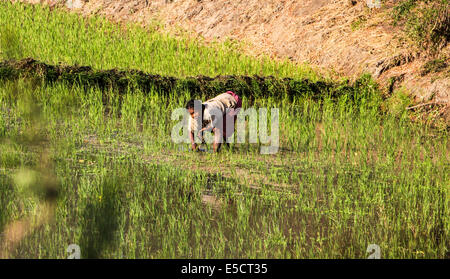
<point>193,144</point>
<point>191,130</point>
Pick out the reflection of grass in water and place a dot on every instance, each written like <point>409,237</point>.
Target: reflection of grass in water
<point>351,176</point>
<point>6,198</point>
<point>33,184</point>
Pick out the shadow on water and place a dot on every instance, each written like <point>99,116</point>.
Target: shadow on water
<point>101,219</point>
<point>6,191</point>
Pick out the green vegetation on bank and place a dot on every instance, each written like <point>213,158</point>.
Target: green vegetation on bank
<point>58,36</point>
<point>426,22</point>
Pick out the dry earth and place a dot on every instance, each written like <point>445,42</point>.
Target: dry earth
<point>341,37</point>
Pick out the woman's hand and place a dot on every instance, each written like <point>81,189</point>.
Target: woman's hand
<point>200,133</point>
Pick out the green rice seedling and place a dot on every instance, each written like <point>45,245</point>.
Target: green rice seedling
<point>346,175</point>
